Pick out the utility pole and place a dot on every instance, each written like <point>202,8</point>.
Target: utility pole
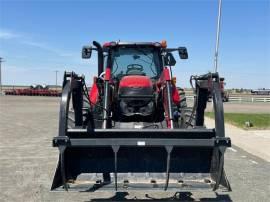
<point>1,60</point>
<point>217,36</point>
<point>56,71</point>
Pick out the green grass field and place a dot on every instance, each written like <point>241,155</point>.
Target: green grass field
<point>259,121</point>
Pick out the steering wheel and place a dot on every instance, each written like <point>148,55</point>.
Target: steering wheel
<point>134,69</point>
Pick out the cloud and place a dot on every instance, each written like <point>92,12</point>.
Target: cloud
<point>5,34</point>
<point>35,44</point>
<point>46,47</point>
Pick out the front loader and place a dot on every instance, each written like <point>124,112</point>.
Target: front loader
<point>131,131</point>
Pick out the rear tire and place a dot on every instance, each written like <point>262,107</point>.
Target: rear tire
<point>183,109</point>
<point>183,99</point>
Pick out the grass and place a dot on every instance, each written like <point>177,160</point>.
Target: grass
<point>259,121</point>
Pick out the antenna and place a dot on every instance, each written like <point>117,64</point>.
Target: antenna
<point>217,36</point>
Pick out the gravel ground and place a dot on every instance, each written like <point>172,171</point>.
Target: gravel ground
<point>256,142</point>
<point>28,162</point>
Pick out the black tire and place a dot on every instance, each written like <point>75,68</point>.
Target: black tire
<point>183,99</point>
<point>183,109</point>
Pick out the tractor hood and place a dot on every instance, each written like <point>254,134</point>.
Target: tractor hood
<point>136,96</point>
<point>135,81</point>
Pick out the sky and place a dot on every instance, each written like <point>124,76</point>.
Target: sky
<point>39,37</point>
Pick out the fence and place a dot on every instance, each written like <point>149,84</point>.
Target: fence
<point>249,99</point>
<point>241,99</point>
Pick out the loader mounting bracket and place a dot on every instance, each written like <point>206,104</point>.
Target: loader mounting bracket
<point>81,142</point>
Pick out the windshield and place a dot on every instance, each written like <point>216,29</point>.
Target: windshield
<point>135,61</point>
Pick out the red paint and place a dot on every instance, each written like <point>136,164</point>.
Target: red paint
<point>164,77</point>
<point>166,74</point>
<point>107,74</point>
<point>168,123</point>
<point>33,92</point>
<point>107,44</point>
<point>175,95</point>
<point>93,94</point>
<point>135,81</point>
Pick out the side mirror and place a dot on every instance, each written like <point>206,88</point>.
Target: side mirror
<point>183,52</point>
<point>169,59</point>
<point>86,52</point>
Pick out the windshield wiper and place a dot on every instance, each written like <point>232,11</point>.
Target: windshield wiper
<point>143,52</point>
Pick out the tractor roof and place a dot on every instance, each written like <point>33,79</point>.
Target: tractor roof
<point>132,44</point>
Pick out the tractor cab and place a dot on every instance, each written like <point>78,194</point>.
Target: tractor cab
<point>135,69</point>
<point>139,60</point>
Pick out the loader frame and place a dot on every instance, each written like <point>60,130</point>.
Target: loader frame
<point>172,140</point>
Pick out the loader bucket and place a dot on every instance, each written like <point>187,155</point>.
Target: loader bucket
<point>94,159</point>
<point>136,159</point>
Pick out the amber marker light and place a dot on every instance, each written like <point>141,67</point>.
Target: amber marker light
<point>163,44</point>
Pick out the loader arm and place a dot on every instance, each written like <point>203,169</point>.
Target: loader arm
<point>138,159</point>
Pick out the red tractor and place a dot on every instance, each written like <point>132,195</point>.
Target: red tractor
<point>131,131</point>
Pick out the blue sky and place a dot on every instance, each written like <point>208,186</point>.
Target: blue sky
<point>39,37</point>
